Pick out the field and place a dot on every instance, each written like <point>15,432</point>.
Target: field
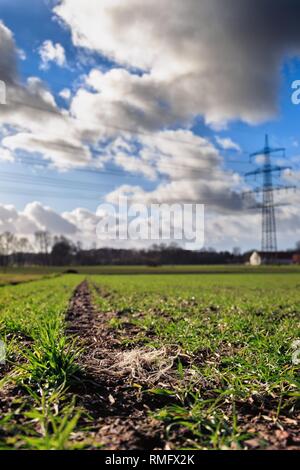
<point>41,271</point>
<point>19,278</point>
<point>199,360</point>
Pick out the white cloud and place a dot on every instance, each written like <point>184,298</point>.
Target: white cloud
<point>47,219</point>
<point>34,217</point>
<point>22,54</point>
<point>222,63</point>
<point>65,94</point>
<point>228,144</point>
<point>8,55</point>
<point>63,153</point>
<point>50,52</point>
<point>189,167</point>
<point>35,123</point>
<point>195,59</point>
<point>222,232</point>
<point>78,225</point>
<point>6,155</point>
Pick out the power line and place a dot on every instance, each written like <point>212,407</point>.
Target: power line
<point>115,172</point>
<point>57,113</point>
<point>48,195</point>
<point>75,187</point>
<point>159,167</point>
<point>42,181</point>
<point>64,195</point>
<point>34,180</point>
<point>69,192</point>
<point>110,126</point>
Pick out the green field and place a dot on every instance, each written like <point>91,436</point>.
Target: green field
<point>140,269</point>
<point>15,278</point>
<point>210,354</point>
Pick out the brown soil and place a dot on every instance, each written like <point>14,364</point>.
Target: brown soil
<point>119,412</point>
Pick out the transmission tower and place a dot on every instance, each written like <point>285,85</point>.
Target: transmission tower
<point>266,192</point>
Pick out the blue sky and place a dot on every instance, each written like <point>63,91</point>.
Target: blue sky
<point>34,22</point>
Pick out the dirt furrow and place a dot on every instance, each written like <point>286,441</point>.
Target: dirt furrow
<point>119,412</point>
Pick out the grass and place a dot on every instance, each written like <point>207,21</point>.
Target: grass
<point>42,364</point>
<point>51,361</point>
<point>212,347</point>
<point>17,278</point>
<point>26,308</point>
<point>18,274</point>
<point>56,422</point>
<point>237,332</point>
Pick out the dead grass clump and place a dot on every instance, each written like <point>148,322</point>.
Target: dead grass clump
<point>149,365</point>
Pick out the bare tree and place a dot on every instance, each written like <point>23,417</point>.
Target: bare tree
<point>43,241</point>
<point>24,245</point>
<point>7,240</point>
<point>19,248</point>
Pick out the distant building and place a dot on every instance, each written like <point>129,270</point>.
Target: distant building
<point>284,258</point>
<point>255,259</point>
<point>296,258</point>
<point>281,257</point>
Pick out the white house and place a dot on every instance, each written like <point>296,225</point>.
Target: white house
<point>255,259</point>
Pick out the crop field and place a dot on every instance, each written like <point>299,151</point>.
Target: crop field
<point>13,279</point>
<point>182,361</point>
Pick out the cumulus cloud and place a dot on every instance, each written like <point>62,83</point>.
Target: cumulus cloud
<point>35,122</point>
<point>8,63</point>
<point>21,54</point>
<point>48,219</point>
<point>6,155</point>
<point>227,144</point>
<point>188,169</point>
<point>222,232</point>
<point>34,217</point>
<point>174,61</point>
<point>50,52</point>
<point>77,225</point>
<point>218,59</point>
<point>64,154</point>
<point>65,94</point>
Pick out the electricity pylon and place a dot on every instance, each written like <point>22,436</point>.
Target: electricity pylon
<point>266,191</point>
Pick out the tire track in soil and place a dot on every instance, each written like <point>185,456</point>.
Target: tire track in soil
<point>120,414</point>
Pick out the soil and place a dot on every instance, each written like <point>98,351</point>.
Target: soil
<point>117,415</point>
<point>119,412</point>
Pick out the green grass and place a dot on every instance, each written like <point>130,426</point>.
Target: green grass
<point>26,307</point>
<point>41,361</point>
<point>231,336</point>
<point>11,272</point>
<point>18,278</point>
<point>237,332</point>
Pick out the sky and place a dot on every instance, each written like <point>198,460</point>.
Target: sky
<point>160,101</point>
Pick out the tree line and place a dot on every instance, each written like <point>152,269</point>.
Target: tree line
<point>49,250</point>
<point>44,250</point>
